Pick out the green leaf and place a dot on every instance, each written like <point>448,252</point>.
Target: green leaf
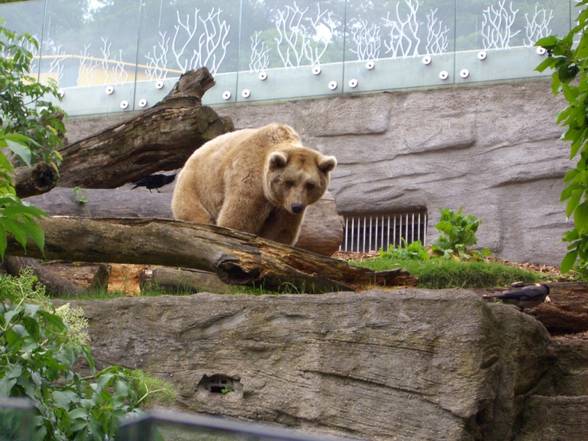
<point>32,327</point>
<point>548,62</point>
<point>22,151</point>
<point>573,201</point>
<point>581,217</point>
<point>63,399</point>
<point>568,261</point>
<point>548,42</point>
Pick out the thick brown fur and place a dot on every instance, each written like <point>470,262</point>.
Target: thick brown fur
<point>254,180</point>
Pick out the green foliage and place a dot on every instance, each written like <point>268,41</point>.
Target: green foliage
<point>440,273</point>
<point>569,62</point>
<point>30,130</point>
<point>40,349</point>
<point>80,196</point>
<point>412,251</point>
<point>24,103</point>
<point>457,235</point>
<point>17,218</point>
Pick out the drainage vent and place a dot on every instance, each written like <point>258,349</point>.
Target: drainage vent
<point>374,232</point>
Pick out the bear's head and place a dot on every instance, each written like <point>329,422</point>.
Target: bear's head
<point>296,177</point>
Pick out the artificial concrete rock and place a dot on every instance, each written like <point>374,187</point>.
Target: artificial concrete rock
<point>384,365</point>
<point>493,149</point>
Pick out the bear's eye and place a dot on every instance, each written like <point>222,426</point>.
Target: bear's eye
<point>310,186</point>
<point>289,183</point>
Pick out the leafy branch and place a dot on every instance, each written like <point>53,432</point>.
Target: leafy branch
<point>569,63</point>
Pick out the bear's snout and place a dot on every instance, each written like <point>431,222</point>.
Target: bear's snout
<point>297,208</point>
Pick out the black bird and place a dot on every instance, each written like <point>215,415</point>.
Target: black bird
<point>156,180</point>
<point>524,297</point>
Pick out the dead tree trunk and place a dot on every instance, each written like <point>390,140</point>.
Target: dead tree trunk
<point>161,138</point>
<point>238,258</point>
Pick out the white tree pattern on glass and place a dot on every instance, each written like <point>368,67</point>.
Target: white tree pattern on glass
<point>301,37</point>
<point>114,69</point>
<point>402,37</point>
<point>437,34</point>
<point>157,58</point>
<point>497,25</point>
<point>537,26</point>
<point>210,44</point>
<point>366,39</point>
<point>259,57</point>
<point>56,64</point>
<point>106,69</point>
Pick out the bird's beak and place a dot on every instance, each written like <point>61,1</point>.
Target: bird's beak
<point>547,299</point>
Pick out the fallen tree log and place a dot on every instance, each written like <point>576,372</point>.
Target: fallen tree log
<point>322,229</point>
<point>237,257</point>
<point>568,311</point>
<point>161,138</point>
<point>182,280</point>
<point>61,277</point>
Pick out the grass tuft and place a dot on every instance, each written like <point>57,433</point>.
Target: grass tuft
<point>444,273</point>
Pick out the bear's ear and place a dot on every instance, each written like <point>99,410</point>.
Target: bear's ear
<point>327,163</point>
<point>278,160</point>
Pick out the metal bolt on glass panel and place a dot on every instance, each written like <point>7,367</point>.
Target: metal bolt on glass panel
<point>279,49</point>
<point>495,40</point>
<point>296,45</point>
<point>180,35</point>
<point>402,44</point>
<point>167,426</point>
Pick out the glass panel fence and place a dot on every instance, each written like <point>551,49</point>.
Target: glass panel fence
<point>399,44</point>
<point>121,55</point>
<point>26,16</point>
<point>179,35</point>
<point>16,420</point>
<point>291,49</point>
<point>91,52</point>
<point>495,38</point>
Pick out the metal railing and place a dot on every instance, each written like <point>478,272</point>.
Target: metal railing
<point>159,425</point>
<point>124,55</point>
<point>365,233</point>
<point>16,424</point>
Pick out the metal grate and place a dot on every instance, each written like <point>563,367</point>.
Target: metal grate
<point>373,232</point>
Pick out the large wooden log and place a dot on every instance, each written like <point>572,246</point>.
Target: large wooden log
<point>322,229</point>
<point>61,277</point>
<point>161,138</point>
<point>238,258</point>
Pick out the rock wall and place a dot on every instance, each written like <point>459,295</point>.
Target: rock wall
<point>405,365</point>
<point>492,149</point>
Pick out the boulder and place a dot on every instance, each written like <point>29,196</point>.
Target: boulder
<point>409,364</point>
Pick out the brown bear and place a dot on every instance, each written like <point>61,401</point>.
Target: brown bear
<point>254,180</point>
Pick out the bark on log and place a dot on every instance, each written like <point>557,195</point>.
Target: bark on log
<point>62,277</point>
<point>322,229</point>
<point>238,258</point>
<point>568,311</point>
<point>183,279</point>
<point>161,138</point>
